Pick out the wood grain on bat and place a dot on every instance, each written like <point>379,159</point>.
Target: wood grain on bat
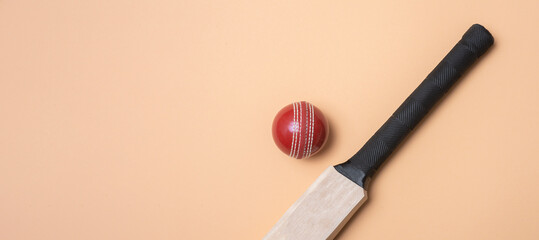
<point>322,210</point>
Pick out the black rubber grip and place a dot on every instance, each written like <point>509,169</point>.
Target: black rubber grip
<point>366,161</point>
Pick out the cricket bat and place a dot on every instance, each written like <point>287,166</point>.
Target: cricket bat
<point>326,206</point>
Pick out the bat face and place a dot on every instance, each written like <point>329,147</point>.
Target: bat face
<point>322,210</point>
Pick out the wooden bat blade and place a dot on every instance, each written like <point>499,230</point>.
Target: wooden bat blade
<point>322,210</point>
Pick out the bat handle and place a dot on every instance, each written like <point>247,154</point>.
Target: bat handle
<point>474,43</point>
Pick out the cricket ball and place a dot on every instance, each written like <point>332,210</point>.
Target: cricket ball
<point>300,130</point>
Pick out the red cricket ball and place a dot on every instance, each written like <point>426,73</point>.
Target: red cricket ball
<point>300,130</point>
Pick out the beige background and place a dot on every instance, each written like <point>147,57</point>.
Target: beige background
<point>151,119</point>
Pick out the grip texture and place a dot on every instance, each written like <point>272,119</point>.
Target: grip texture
<point>474,43</point>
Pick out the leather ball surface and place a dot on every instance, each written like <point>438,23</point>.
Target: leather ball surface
<point>300,130</point>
